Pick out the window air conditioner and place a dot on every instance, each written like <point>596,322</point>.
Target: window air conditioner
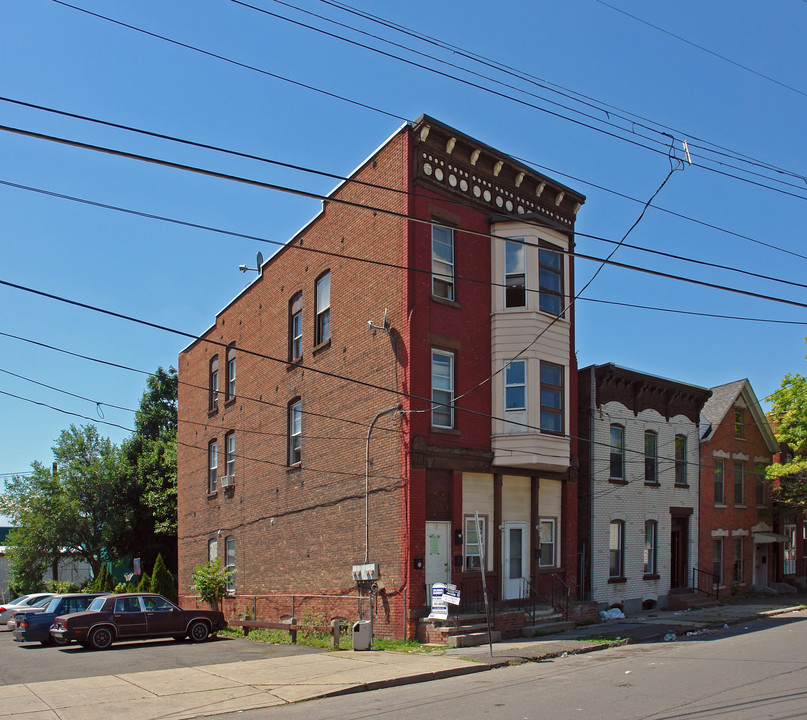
<point>227,481</point>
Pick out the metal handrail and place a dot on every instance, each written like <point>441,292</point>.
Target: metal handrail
<point>714,584</point>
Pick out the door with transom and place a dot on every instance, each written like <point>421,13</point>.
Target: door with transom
<point>515,566</point>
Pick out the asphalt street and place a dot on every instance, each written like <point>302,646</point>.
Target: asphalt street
<point>749,671</point>
<point>32,662</point>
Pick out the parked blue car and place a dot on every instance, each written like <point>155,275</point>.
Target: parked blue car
<point>35,626</point>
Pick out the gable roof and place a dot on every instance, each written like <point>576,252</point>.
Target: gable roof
<point>723,399</point>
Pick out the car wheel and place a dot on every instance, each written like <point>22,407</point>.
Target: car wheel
<point>199,631</point>
<point>100,638</point>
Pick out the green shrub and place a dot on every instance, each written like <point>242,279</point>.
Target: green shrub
<point>145,583</point>
<point>162,581</point>
<point>210,581</point>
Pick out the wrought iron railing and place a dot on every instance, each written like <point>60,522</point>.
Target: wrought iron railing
<point>706,582</point>
<point>558,595</point>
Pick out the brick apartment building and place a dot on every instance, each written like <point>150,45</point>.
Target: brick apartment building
<point>341,409</point>
<point>639,480</point>
<point>738,545</point>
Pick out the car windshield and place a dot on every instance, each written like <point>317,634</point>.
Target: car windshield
<point>97,604</point>
<point>42,602</point>
<point>19,600</point>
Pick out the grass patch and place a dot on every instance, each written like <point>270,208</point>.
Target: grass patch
<point>600,639</point>
<point>407,646</point>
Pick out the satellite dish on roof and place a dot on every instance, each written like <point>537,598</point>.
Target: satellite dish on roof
<point>259,259</point>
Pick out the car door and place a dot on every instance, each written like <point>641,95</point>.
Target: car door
<point>162,616</point>
<point>129,617</point>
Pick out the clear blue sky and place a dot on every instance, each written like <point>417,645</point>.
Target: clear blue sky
<point>55,56</point>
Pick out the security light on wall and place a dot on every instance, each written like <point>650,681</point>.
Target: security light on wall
<point>258,262</point>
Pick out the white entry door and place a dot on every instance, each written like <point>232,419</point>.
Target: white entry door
<point>516,560</point>
<point>438,558</point>
<point>760,564</point>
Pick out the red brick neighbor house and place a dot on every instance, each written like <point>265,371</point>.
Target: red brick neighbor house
<point>404,365</point>
<point>738,545</point>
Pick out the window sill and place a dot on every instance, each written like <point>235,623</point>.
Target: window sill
<point>651,576</point>
<point>446,302</point>
<point>213,411</point>
<point>229,402</point>
<point>296,466</point>
<point>212,495</point>
<point>446,431</point>
<point>720,505</point>
<point>652,484</point>
<point>548,569</point>
<point>292,364</point>
<point>322,346</point>
<point>682,485</point>
<point>554,433</point>
<point>617,580</point>
<point>740,506</point>
<point>617,481</point>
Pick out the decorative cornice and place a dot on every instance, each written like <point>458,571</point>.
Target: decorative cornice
<point>462,166</point>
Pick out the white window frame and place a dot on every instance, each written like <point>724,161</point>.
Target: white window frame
<point>473,560</point>
<point>212,465</point>
<point>612,452</point>
<point>444,404</point>
<point>651,547</point>
<point>651,458</point>
<point>542,543</point>
<point>229,562</point>
<point>443,268</point>
<point>513,271</point>
<point>295,432</point>
<point>322,329</point>
<point>616,544</point>
<point>229,454</point>
<point>513,384</point>
<point>212,549</point>
<point>230,372</point>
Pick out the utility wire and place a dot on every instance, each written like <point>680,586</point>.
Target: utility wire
<point>704,49</point>
<point>374,109</point>
<point>340,178</point>
<point>375,209</point>
<point>605,108</point>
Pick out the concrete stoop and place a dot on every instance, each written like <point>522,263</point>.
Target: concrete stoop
<point>546,628</point>
<point>687,601</point>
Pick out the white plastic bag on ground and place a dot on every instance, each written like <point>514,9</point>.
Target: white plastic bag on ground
<point>612,614</point>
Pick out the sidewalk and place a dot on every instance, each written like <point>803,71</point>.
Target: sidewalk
<point>212,689</point>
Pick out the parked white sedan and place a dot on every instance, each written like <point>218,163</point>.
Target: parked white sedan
<point>20,604</point>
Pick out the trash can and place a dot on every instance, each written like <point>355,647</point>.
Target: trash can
<point>362,635</point>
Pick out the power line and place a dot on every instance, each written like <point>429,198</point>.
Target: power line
<point>704,49</point>
<point>586,100</point>
<point>374,109</point>
<point>375,209</point>
<point>340,178</point>
<point>528,104</point>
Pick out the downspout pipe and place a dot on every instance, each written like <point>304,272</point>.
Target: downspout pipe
<point>395,408</point>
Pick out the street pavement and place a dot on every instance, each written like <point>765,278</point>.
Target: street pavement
<point>250,684</point>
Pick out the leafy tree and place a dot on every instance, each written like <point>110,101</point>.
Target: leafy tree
<point>151,453</point>
<point>78,509</point>
<point>162,582</point>
<point>210,581</point>
<point>789,416</point>
<point>145,583</point>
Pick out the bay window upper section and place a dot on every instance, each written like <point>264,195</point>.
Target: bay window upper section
<point>530,387</point>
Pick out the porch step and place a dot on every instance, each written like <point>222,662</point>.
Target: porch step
<point>686,601</point>
<point>472,639</point>
<point>464,628</point>
<point>546,628</point>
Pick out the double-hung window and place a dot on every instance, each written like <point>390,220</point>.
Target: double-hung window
<point>546,539</point>
<point>474,542</point>
<point>229,545</point>
<point>322,329</point>
<point>617,453</point>
<point>213,384</point>
<point>296,327</point>
<point>230,385</point>
<point>717,561</point>
<point>212,550</point>
<point>515,269</point>
<point>737,574</point>
<point>229,454</point>
<point>739,423</point>
<point>616,549</point>
<point>212,466</point>
<point>650,457</point>
<point>720,494</point>
<point>552,398</point>
<point>680,460</point>
<point>443,262</point>
<point>295,432</point>
<point>442,389</point>
<point>550,281</point>
<point>650,547</point>
<point>739,483</point>
<point>515,385</point>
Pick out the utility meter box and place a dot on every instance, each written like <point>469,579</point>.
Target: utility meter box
<point>362,635</point>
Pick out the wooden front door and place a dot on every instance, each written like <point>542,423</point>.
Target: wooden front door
<point>679,542</point>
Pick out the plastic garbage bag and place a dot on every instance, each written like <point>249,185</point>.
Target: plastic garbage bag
<point>612,614</point>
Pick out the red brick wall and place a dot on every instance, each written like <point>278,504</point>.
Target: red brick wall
<point>300,530</point>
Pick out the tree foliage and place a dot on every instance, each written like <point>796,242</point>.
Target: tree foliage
<point>162,581</point>
<point>210,581</point>
<point>789,416</point>
<point>77,509</point>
